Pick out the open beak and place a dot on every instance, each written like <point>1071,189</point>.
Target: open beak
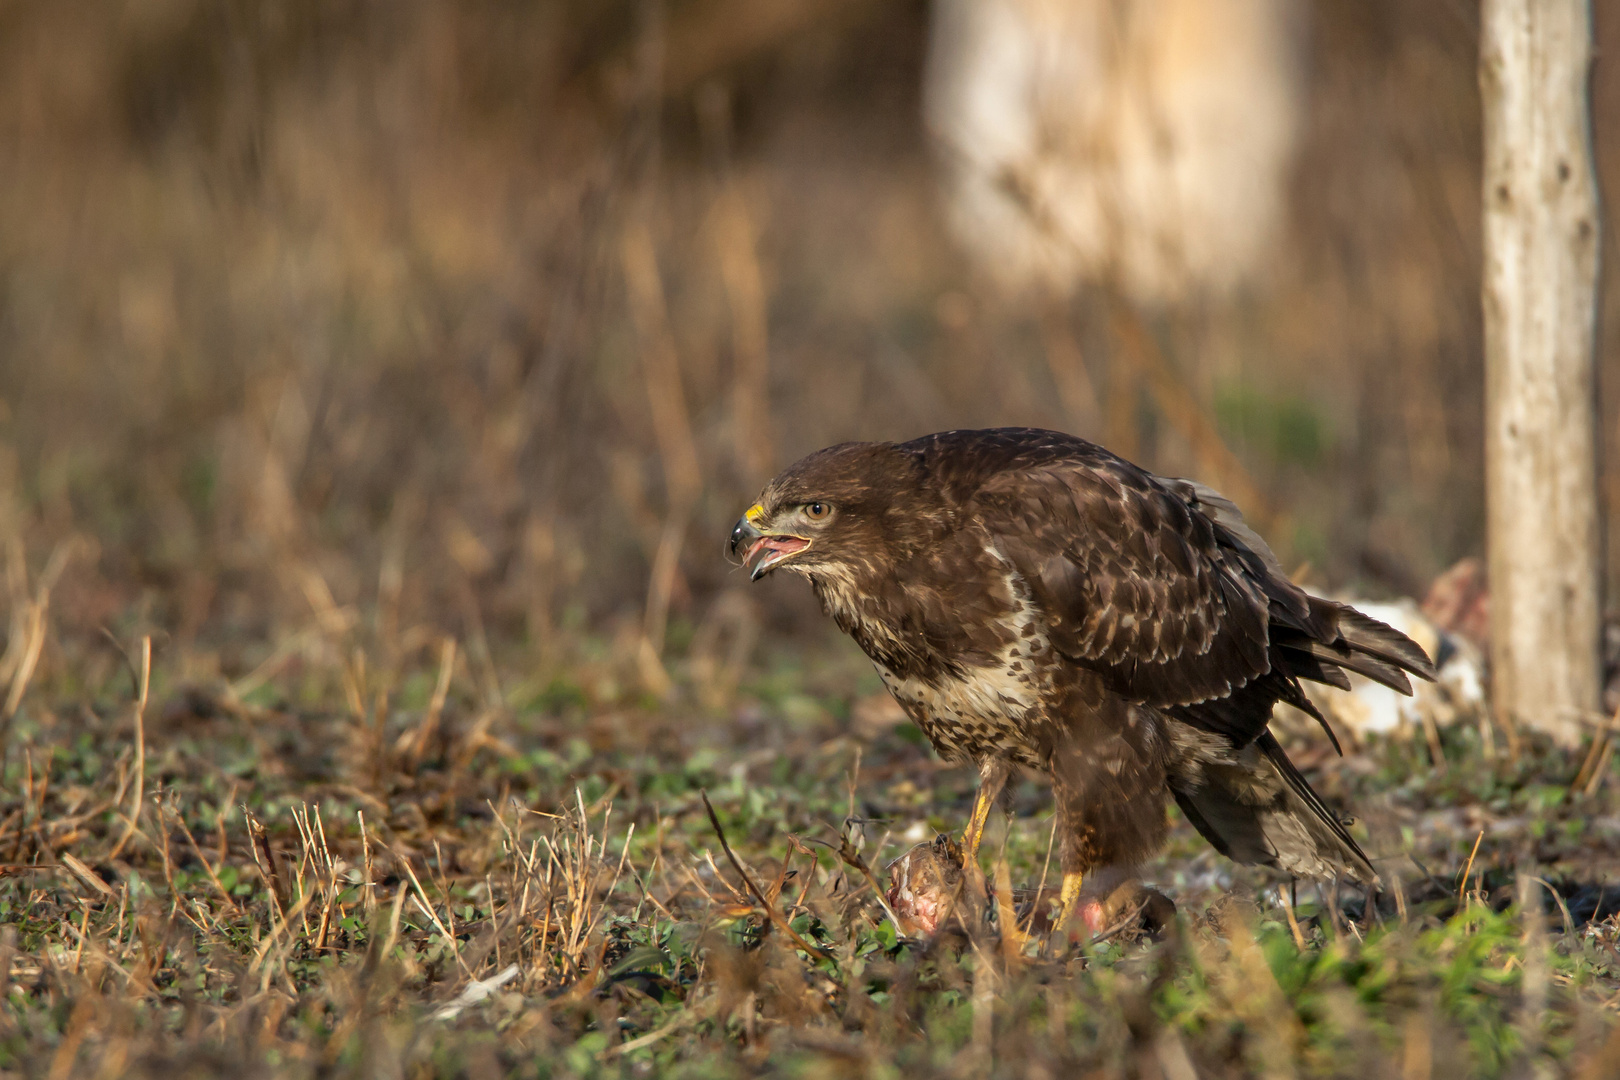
<point>761,552</point>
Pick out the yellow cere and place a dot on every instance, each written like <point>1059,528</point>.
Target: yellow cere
<point>755,512</point>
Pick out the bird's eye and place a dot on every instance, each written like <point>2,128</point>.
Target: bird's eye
<point>817,511</point>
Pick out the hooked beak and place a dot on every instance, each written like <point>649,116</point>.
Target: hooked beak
<point>761,552</point>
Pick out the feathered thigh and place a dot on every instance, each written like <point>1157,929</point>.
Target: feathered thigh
<point>1107,762</point>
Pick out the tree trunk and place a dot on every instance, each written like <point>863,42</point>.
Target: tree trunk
<point>1540,290</point>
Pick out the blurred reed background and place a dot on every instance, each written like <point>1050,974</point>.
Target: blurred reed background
<point>487,318</point>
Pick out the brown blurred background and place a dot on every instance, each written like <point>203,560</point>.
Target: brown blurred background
<point>489,317</point>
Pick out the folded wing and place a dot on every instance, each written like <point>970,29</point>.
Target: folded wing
<point>1161,587</point>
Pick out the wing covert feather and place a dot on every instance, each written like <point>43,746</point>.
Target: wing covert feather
<point>1133,582</point>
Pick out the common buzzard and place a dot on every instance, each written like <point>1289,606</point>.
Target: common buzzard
<point>1032,599</point>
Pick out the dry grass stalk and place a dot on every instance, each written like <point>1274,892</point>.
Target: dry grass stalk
<point>238,690</point>
<point>736,245</point>
<point>665,568</point>
<point>1068,369</point>
<point>1012,942</point>
<point>21,609</point>
<point>986,983</point>
<point>1399,890</point>
<point>479,654</point>
<point>575,860</point>
<point>1431,734</point>
<point>79,1025</point>
<point>391,939</point>
<point>684,1020</point>
<point>849,854</point>
<point>34,636</point>
<point>133,820</point>
<point>1287,898</point>
<point>323,870</point>
<point>354,684</point>
<point>672,428</point>
<point>1122,428</point>
<point>1595,765</point>
<point>415,744</point>
<point>1537,977</point>
<point>769,908</point>
<point>666,398</point>
<point>168,865</point>
<point>1462,893</point>
<point>1143,356</point>
<point>370,886</point>
<point>28,619</point>
<point>1245,982</point>
<point>717,665</point>
<point>87,875</point>
<point>208,867</point>
<point>264,857</point>
<point>268,958</point>
<point>1417,1053</point>
<point>1040,887</point>
<point>426,907</point>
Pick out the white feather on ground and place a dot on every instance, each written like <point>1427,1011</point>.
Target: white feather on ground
<point>1457,695</point>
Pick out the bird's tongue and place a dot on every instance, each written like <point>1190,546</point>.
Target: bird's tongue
<point>763,549</point>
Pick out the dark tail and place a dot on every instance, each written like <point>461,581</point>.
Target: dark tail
<point>1241,791</point>
<point>1253,805</point>
<point>1334,638</point>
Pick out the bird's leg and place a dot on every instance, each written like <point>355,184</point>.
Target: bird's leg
<point>973,835</point>
<point>1068,898</point>
<point>993,773</point>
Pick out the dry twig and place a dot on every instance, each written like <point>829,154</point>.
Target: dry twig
<point>771,913</point>
<point>133,820</point>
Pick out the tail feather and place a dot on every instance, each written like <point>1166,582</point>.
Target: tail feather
<point>1305,666</point>
<point>1341,655</point>
<point>1233,782</point>
<point>1367,635</point>
<point>1254,807</point>
<point>1359,865</point>
<point>1336,635</point>
<point>1296,697</point>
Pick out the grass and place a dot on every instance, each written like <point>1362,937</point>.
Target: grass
<point>430,322</point>
<point>318,882</point>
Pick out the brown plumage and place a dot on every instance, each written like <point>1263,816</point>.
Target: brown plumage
<point>1030,598</point>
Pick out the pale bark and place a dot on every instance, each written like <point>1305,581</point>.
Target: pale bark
<point>1540,286</point>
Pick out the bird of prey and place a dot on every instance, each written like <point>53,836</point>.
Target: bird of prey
<point>1030,598</point>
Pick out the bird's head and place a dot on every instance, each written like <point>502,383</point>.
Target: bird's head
<point>830,512</point>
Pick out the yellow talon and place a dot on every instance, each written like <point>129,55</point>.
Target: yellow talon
<point>975,827</point>
<point>992,778</point>
<point>1068,898</point>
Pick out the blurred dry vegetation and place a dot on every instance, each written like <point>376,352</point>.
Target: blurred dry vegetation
<point>481,306</point>
<point>399,369</point>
